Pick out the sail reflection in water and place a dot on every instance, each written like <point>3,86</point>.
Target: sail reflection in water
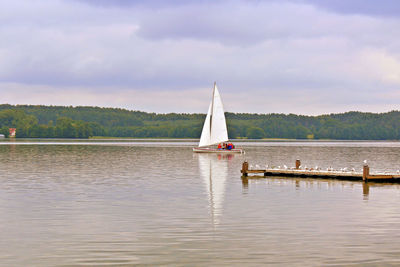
<point>214,172</point>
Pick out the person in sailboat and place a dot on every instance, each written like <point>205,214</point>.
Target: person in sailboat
<point>219,146</point>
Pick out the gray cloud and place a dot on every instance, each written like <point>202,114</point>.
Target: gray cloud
<point>145,3</point>
<point>368,7</point>
<point>267,56</point>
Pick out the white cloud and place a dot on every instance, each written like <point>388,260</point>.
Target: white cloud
<point>380,66</point>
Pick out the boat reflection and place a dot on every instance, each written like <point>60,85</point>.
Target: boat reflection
<point>214,172</point>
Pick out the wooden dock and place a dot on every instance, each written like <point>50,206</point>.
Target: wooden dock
<point>364,176</point>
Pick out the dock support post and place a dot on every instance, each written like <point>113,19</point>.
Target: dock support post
<point>365,173</point>
<point>245,168</point>
<point>298,163</point>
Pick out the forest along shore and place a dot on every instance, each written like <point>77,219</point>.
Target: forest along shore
<point>83,122</point>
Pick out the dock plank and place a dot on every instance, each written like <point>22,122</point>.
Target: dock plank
<point>342,175</point>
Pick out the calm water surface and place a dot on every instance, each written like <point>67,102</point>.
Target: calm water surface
<point>133,202</point>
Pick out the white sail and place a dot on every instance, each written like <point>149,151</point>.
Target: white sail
<point>219,133</point>
<point>206,133</point>
<point>214,129</point>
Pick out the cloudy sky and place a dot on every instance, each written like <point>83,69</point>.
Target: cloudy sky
<point>288,56</point>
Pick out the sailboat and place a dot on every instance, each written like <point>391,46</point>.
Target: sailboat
<point>214,129</point>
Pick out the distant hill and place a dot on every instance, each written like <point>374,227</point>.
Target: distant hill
<point>83,122</point>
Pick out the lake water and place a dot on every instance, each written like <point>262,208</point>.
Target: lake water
<point>133,202</point>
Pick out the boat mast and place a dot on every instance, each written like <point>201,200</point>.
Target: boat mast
<point>212,108</point>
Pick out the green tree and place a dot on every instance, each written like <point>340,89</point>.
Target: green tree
<point>255,133</point>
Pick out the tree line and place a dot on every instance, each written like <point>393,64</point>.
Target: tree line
<point>28,127</point>
<point>83,122</point>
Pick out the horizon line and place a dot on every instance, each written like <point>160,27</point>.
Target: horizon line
<point>166,113</point>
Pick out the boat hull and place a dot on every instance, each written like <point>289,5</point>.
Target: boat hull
<point>215,150</point>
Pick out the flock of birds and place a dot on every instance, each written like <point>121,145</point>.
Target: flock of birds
<point>316,168</point>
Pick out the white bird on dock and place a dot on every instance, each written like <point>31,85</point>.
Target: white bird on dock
<point>258,167</point>
<point>345,169</point>
<point>365,161</point>
<point>285,167</point>
<point>353,170</point>
<point>398,171</point>
<point>279,167</point>
<point>251,166</point>
<point>266,166</point>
